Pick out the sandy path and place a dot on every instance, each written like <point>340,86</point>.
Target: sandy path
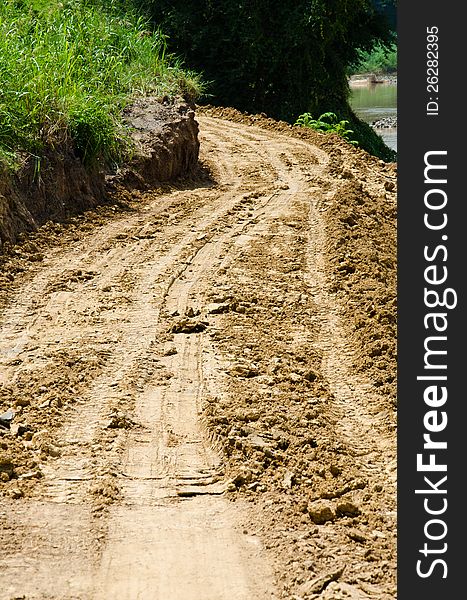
<point>132,502</point>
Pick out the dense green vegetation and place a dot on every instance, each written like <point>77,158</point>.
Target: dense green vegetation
<point>381,59</point>
<point>68,68</point>
<point>282,58</point>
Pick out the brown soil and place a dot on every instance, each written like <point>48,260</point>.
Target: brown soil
<point>203,381</point>
<point>58,186</point>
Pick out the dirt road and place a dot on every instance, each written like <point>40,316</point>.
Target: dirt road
<point>202,384</point>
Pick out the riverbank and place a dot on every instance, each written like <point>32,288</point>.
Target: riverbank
<point>376,104</point>
<point>372,79</point>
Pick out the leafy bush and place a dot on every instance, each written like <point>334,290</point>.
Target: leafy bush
<point>327,123</point>
<point>381,59</point>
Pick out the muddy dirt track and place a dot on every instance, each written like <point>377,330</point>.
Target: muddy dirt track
<point>203,383</point>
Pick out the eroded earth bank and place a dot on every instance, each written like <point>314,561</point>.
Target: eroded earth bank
<point>198,382</point>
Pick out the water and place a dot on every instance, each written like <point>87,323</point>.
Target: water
<point>373,102</point>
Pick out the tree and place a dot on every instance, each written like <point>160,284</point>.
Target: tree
<point>281,57</point>
<point>389,9</point>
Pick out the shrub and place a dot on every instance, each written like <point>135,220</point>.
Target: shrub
<point>327,123</point>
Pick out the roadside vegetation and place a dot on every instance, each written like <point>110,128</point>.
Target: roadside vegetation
<point>327,123</point>
<point>67,69</point>
<point>284,59</point>
<point>281,58</point>
<point>352,129</point>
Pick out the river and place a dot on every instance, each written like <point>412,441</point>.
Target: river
<point>376,101</point>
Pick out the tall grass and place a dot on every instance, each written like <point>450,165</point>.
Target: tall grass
<point>68,68</point>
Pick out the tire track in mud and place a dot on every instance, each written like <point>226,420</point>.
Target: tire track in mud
<point>364,424</point>
<point>360,422</point>
<point>133,501</point>
<point>184,466</point>
<point>169,471</point>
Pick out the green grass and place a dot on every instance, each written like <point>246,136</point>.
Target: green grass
<point>67,69</point>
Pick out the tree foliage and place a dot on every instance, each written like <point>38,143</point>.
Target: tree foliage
<point>281,57</point>
<point>389,9</point>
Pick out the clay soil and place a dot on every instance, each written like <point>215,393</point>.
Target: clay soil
<point>201,380</point>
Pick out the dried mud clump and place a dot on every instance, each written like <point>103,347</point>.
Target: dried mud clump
<point>361,233</point>
<point>39,400</point>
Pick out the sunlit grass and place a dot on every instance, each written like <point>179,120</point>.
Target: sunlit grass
<point>68,68</point>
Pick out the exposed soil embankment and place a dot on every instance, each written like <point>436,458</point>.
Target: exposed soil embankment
<point>58,185</point>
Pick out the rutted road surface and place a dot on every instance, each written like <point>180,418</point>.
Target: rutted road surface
<point>195,413</point>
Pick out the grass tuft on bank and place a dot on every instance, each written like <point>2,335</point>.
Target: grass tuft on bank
<point>67,69</point>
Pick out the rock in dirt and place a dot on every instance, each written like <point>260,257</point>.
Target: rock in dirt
<point>217,308</point>
<point>6,418</point>
<point>15,493</point>
<point>120,421</point>
<point>258,443</point>
<point>347,509</point>
<point>43,442</point>
<point>189,325</point>
<point>357,536</point>
<point>288,480</point>
<point>243,370</point>
<point>321,511</point>
<point>169,350</point>
<point>37,474</point>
